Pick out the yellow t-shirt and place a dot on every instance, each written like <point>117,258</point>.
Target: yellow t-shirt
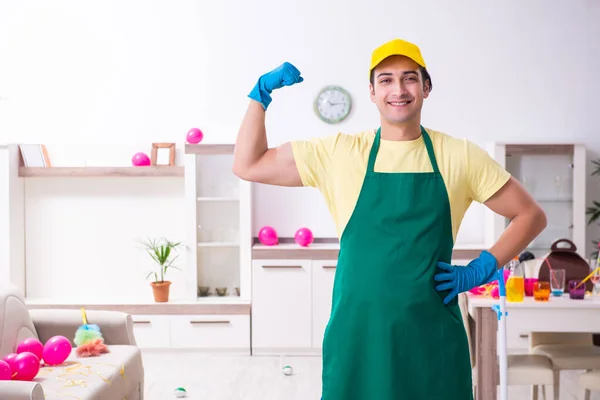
<point>336,165</point>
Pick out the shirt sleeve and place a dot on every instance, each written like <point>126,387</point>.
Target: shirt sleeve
<point>314,159</point>
<point>485,176</point>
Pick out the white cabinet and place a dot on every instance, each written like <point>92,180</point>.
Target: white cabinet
<point>555,175</point>
<point>214,333</point>
<point>151,331</point>
<point>219,228</point>
<point>323,275</point>
<point>281,306</point>
<point>211,332</point>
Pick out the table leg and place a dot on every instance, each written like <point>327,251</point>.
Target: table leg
<point>486,359</point>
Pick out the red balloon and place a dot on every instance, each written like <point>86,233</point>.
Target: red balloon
<point>10,359</point>
<point>268,236</point>
<point>31,345</point>
<point>56,350</point>
<point>140,160</point>
<point>26,366</point>
<point>194,136</point>
<point>5,371</point>
<point>304,237</point>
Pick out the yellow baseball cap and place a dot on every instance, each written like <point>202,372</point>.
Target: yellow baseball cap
<point>396,47</point>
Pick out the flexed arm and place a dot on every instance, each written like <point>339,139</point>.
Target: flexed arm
<point>253,159</point>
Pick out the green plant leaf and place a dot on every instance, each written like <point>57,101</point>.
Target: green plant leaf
<point>597,164</point>
<point>593,212</point>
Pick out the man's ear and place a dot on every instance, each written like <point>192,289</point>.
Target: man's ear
<point>426,90</point>
<point>372,92</point>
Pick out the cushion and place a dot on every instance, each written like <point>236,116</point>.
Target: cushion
<point>15,322</point>
<point>113,375</point>
<point>570,356</point>
<point>590,380</point>
<point>527,369</point>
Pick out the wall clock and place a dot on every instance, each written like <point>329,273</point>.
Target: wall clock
<point>333,104</point>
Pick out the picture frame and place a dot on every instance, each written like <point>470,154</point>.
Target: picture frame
<point>163,154</point>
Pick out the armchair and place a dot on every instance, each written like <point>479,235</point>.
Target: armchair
<point>118,374</point>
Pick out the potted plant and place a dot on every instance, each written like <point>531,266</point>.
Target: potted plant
<point>594,210</point>
<point>162,253</point>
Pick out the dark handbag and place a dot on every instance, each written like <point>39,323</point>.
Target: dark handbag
<point>576,267</point>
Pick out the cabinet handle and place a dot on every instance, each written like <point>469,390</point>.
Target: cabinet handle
<point>282,266</point>
<point>329,266</point>
<point>141,322</point>
<point>209,322</point>
<point>523,335</point>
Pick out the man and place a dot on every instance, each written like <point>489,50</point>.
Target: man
<point>397,195</point>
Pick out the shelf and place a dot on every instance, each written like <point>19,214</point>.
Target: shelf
<point>208,148</point>
<point>229,299</point>
<point>225,198</point>
<point>98,172</point>
<point>218,244</point>
<point>548,200</point>
<point>214,306</point>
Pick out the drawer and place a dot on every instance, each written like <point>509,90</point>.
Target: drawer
<point>151,331</point>
<point>211,332</point>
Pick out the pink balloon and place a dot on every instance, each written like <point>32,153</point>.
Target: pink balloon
<point>26,366</point>
<point>31,345</point>
<point>10,359</point>
<point>268,236</point>
<point>5,371</point>
<point>56,350</point>
<point>303,237</point>
<point>140,160</point>
<point>194,136</point>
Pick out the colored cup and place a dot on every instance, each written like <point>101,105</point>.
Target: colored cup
<point>576,293</point>
<point>557,282</point>
<point>541,291</point>
<point>529,282</point>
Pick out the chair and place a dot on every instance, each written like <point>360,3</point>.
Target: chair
<point>118,374</point>
<point>567,351</point>
<point>523,369</point>
<point>590,381</point>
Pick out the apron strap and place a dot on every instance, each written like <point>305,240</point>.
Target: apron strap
<point>373,153</point>
<point>430,151</point>
<point>428,146</point>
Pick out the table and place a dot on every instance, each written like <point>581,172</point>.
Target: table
<point>560,314</point>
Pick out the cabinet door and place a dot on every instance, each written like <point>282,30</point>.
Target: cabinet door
<point>323,274</point>
<point>281,306</point>
<point>151,331</point>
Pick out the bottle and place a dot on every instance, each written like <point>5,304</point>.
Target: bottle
<point>515,284</point>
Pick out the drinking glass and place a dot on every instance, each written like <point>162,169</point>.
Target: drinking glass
<point>557,282</point>
<point>541,291</point>
<point>576,293</point>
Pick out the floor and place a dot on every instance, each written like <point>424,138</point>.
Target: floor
<point>224,377</point>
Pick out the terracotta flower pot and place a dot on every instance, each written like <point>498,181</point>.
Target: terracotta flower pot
<point>161,291</point>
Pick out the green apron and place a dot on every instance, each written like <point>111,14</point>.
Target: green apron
<point>390,336</point>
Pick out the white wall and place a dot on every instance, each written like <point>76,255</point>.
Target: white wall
<point>112,73</point>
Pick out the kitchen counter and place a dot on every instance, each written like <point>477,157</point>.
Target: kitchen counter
<point>328,249</point>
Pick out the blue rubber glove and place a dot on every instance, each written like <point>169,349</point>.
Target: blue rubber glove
<point>459,278</point>
<point>284,75</point>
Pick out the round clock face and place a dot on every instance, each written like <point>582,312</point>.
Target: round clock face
<point>333,104</point>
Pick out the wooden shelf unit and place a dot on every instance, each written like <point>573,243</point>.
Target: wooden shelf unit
<point>101,172</point>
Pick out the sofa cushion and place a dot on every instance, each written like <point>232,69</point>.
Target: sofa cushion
<point>570,356</point>
<point>113,375</point>
<point>15,322</point>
